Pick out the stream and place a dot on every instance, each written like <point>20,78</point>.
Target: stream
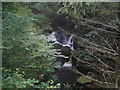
<point>66,43</point>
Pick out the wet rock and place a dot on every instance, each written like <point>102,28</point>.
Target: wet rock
<point>67,75</point>
<point>57,45</point>
<point>66,50</point>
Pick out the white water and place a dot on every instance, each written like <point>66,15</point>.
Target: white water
<point>65,40</point>
<point>69,42</point>
<point>69,63</point>
<point>52,37</point>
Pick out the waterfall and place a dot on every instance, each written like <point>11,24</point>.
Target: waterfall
<point>64,42</point>
<point>52,37</point>
<point>62,39</point>
<point>69,63</point>
<point>69,42</point>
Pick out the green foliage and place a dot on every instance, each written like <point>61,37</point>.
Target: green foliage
<point>48,85</point>
<point>101,12</point>
<point>44,13</point>
<point>86,9</point>
<point>24,49</point>
<point>17,80</point>
<point>15,26</point>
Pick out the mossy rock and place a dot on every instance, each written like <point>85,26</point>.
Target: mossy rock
<point>84,79</point>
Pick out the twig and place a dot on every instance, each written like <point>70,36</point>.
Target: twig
<point>93,65</point>
<point>99,29</point>
<point>95,22</point>
<point>99,60</point>
<point>106,42</point>
<point>105,80</point>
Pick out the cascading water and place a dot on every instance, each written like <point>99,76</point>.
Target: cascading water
<point>62,39</point>
<point>65,43</point>
<point>69,63</point>
<point>52,37</point>
<point>69,42</point>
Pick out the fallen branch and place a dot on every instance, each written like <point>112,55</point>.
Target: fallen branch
<point>99,60</point>
<point>93,65</point>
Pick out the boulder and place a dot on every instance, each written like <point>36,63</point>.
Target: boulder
<point>66,50</point>
<point>57,45</point>
<point>67,75</point>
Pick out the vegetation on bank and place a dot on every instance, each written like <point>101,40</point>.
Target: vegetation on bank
<point>29,60</point>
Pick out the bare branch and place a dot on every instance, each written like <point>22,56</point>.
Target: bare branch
<point>87,43</point>
<point>95,22</point>
<point>106,42</point>
<point>99,29</point>
<point>99,60</point>
<point>93,65</point>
